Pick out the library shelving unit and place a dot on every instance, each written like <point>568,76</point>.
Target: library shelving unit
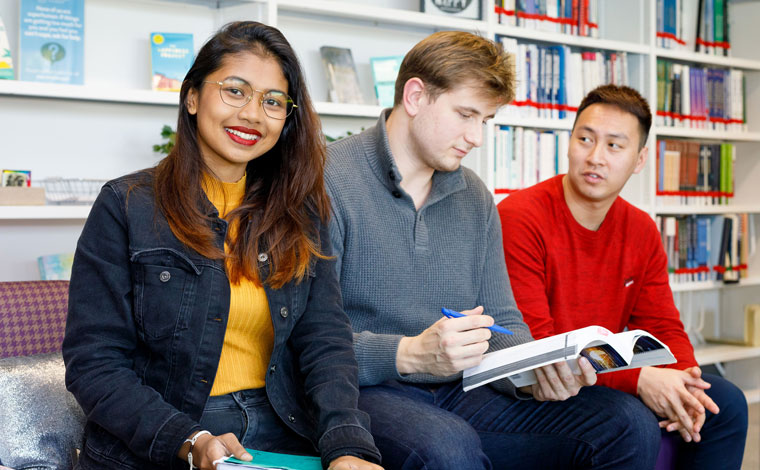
<point>107,127</point>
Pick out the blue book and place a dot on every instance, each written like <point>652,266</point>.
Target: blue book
<point>171,56</point>
<point>702,255</point>
<point>55,267</point>
<point>51,41</point>
<point>6,61</point>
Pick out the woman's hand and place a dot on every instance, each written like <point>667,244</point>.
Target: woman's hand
<point>209,448</point>
<point>349,462</point>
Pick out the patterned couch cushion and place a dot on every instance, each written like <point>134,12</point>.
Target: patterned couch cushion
<point>32,317</point>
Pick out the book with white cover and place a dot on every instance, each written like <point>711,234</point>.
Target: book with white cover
<point>606,351</point>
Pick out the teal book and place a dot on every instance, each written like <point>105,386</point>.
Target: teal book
<point>268,460</point>
<point>55,267</point>
<point>6,62</point>
<point>51,41</point>
<point>171,56</point>
<point>384,72</point>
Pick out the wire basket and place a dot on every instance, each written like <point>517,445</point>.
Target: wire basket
<point>71,190</point>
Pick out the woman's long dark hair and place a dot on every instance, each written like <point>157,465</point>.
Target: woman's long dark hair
<point>284,187</point>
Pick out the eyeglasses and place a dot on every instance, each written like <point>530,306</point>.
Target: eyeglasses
<point>276,104</point>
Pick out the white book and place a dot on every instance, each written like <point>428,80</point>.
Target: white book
<point>547,150</point>
<point>606,351</point>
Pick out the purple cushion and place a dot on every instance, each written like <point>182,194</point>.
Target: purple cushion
<point>32,317</point>
<point>666,459</point>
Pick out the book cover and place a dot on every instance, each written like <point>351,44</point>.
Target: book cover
<point>340,71</point>
<point>171,56</point>
<point>6,61</point>
<point>51,41</point>
<point>55,267</point>
<point>605,351</point>
<point>384,72</point>
<point>270,460</point>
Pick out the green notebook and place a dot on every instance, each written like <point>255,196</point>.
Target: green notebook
<point>269,460</point>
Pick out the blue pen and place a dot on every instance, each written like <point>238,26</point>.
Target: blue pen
<point>453,314</point>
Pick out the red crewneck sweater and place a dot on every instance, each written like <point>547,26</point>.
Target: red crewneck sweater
<point>565,276</point>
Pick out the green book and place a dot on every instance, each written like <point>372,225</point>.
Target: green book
<point>270,460</point>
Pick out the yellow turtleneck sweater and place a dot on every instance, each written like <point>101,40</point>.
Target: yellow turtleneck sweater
<point>249,337</point>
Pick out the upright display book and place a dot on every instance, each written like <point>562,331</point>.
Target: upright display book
<point>606,351</point>
<point>340,72</point>
<point>171,56</point>
<point>55,267</point>
<point>268,460</point>
<point>51,41</point>
<point>6,61</point>
<point>384,72</point>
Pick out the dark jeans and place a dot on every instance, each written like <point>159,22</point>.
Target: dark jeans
<point>250,417</point>
<point>723,435</point>
<point>442,427</point>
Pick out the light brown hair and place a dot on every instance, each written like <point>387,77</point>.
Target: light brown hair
<point>624,98</point>
<point>447,59</point>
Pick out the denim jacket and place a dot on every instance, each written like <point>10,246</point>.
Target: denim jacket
<point>146,323</point>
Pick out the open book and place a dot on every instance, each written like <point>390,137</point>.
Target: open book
<point>273,461</point>
<point>605,350</point>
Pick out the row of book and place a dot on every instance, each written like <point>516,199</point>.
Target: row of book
<point>694,25</point>
<point>695,173</point>
<point>524,157</point>
<point>708,247</point>
<point>700,97</point>
<point>552,80</point>
<point>578,17</point>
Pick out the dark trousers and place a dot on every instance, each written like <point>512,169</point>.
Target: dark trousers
<point>442,427</point>
<point>250,417</point>
<point>723,434</point>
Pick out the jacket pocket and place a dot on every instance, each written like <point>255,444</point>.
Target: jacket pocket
<point>164,287</point>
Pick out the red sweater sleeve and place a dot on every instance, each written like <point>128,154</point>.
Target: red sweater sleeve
<point>524,252</point>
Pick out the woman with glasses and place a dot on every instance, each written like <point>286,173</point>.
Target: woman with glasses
<point>204,308</point>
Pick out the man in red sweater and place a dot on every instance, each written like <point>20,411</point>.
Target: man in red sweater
<point>579,255</point>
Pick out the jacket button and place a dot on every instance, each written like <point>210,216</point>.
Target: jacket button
<point>273,368</point>
<point>392,175</point>
<point>291,418</point>
<point>396,194</point>
<point>284,312</point>
<point>263,257</point>
<point>164,276</point>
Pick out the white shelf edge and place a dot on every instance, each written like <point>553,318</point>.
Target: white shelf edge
<point>342,9</point>
<point>541,123</point>
<point>571,40</point>
<point>717,209</point>
<point>706,134</point>
<point>713,352</point>
<point>712,285</point>
<point>87,93</point>
<point>349,110</point>
<point>706,59</point>
<point>51,212</point>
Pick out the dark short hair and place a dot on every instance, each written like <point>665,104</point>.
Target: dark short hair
<point>447,59</point>
<point>624,98</point>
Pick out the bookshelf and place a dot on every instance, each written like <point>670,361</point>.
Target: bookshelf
<point>107,127</point>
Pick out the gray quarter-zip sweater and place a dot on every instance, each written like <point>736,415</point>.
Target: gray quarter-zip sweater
<point>398,265</point>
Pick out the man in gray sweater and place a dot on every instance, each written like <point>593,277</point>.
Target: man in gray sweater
<point>413,232</point>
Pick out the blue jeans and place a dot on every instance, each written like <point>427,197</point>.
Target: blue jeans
<point>723,434</point>
<point>432,427</point>
<point>249,416</point>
